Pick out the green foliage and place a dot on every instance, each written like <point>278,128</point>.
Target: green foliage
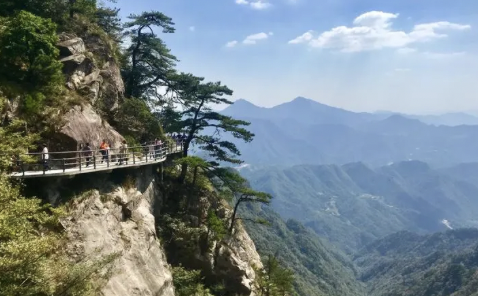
<point>197,99</point>
<point>29,58</point>
<point>216,227</point>
<point>182,238</point>
<point>409,264</point>
<point>319,268</point>
<point>14,140</point>
<point>108,20</point>
<point>150,60</point>
<point>273,279</point>
<point>53,9</point>
<point>244,194</point>
<point>135,120</point>
<point>32,259</point>
<point>83,7</point>
<point>188,282</point>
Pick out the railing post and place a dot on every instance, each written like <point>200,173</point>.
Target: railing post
<point>94,161</point>
<point>22,167</point>
<point>63,160</point>
<point>107,158</point>
<point>147,153</point>
<point>80,162</point>
<point>134,157</point>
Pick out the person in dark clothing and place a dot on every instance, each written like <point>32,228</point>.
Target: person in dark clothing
<point>87,153</point>
<point>45,158</point>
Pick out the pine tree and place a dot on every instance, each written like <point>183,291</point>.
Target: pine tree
<point>150,60</point>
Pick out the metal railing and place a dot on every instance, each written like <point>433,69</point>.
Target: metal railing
<point>94,159</point>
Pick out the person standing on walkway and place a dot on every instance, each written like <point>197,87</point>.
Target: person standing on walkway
<point>45,158</point>
<point>104,151</point>
<point>123,153</point>
<point>151,150</point>
<point>87,153</point>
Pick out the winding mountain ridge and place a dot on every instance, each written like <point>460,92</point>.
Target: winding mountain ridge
<point>352,205</point>
<point>306,132</point>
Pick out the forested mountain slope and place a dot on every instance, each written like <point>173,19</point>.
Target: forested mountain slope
<point>408,264</point>
<point>352,205</point>
<point>320,268</point>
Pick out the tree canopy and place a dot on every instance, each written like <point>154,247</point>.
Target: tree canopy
<point>149,59</point>
<point>28,53</point>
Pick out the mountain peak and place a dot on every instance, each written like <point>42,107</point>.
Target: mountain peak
<point>243,102</point>
<point>400,118</point>
<point>242,107</point>
<point>302,99</point>
<point>305,101</point>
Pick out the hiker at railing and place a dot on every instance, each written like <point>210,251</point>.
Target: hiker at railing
<point>45,158</point>
<point>157,148</point>
<point>123,153</point>
<point>151,150</point>
<point>104,150</point>
<point>87,152</point>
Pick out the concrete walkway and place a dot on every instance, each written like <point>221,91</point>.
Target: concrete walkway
<point>98,166</point>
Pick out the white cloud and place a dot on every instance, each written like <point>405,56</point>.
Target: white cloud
<point>373,31</point>
<point>231,43</point>
<point>307,36</point>
<point>252,39</point>
<point>260,5</point>
<point>255,4</point>
<point>192,28</point>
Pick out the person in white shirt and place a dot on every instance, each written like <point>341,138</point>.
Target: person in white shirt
<point>45,157</point>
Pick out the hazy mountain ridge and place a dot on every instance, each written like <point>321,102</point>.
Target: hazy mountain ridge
<point>339,115</point>
<point>306,132</point>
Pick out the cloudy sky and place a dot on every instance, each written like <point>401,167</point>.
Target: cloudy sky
<point>363,55</point>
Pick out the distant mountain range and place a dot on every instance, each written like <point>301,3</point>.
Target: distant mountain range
<point>304,131</point>
<point>377,186</point>
<point>320,113</point>
<point>352,205</point>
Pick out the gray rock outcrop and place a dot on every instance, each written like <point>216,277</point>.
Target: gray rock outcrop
<point>121,222</point>
<point>93,82</point>
<point>91,69</point>
<point>83,125</point>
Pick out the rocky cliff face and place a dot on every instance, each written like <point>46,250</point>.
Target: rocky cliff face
<point>235,262</point>
<point>118,220</point>
<point>92,73</point>
<point>121,221</point>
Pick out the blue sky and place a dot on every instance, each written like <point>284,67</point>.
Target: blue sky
<point>363,55</point>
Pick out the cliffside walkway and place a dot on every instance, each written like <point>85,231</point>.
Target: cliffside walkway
<point>66,163</point>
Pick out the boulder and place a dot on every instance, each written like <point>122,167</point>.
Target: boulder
<point>112,88</point>
<point>84,125</point>
<point>83,73</point>
<point>73,46</point>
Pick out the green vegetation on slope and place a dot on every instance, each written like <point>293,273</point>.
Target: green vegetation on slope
<point>406,264</point>
<point>320,269</point>
<point>352,205</point>
<point>33,260</point>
